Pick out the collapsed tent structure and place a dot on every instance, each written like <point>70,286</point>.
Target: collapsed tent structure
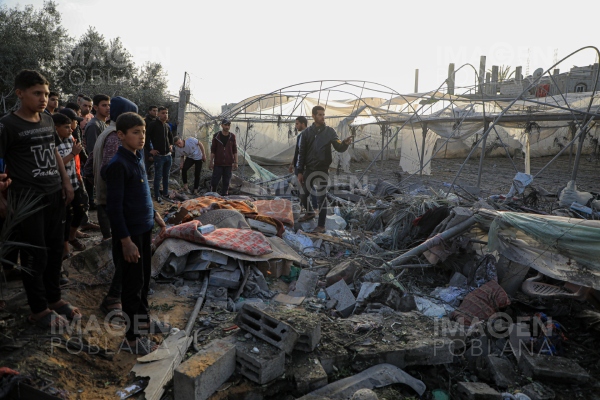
<point>479,121</point>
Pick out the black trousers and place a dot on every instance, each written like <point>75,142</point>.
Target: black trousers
<point>315,184</point>
<point>88,182</point>
<point>45,230</point>
<point>103,221</point>
<point>74,212</point>
<point>218,173</point>
<point>136,282</point>
<point>187,164</point>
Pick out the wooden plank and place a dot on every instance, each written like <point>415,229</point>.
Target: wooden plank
<point>328,238</point>
<point>161,370</point>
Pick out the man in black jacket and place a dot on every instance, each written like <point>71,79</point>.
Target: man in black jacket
<point>160,139</point>
<point>314,159</point>
<point>148,160</point>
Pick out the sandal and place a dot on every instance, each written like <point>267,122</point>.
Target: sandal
<point>157,327</point>
<point>307,217</point>
<point>67,310</point>
<point>81,235</point>
<point>116,312</point>
<point>49,320</point>
<point>77,245</point>
<point>142,347</point>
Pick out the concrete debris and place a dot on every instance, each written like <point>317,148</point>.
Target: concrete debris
<point>553,369</point>
<point>375,377</point>
<point>259,362</point>
<point>345,299</point>
<point>402,277</point>
<point>477,391</point>
<point>269,329</point>
<point>202,374</point>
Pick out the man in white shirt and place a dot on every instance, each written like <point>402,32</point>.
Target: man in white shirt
<point>192,153</point>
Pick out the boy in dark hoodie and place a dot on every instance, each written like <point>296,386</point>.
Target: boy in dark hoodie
<point>105,149</point>
<point>129,207</point>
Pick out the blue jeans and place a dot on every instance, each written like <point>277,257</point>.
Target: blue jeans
<point>162,169</point>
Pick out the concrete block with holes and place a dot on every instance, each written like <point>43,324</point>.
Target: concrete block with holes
<point>267,328</point>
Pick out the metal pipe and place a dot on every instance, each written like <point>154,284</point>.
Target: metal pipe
<point>420,249</point>
<point>486,125</point>
<point>197,308</point>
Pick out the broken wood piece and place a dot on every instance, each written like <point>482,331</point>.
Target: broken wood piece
<point>329,238</point>
<point>159,367</point>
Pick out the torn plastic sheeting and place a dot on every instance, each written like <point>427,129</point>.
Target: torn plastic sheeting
<point>432,308</point>
<point>549,244</point>
<point>260,173</point>
<point>520,182</point>
<point>297,240</point>
<point>375,377</point>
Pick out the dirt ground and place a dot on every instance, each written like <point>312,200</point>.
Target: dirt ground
<point>78,375</point>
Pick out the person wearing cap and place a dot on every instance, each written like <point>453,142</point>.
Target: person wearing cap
<point>223,157</point>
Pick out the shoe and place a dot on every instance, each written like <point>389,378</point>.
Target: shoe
<point>159,200</point>
<point>307,217</point>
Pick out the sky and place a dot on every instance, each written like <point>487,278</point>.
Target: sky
<point>236,49</point>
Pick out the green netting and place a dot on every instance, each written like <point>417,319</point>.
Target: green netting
<point>574,238</point>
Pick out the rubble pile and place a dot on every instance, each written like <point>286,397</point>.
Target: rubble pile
<point>411,292</point>
<point>418,280</point>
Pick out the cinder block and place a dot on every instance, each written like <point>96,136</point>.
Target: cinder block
<point>215,257</point>
<point>477,391</point>
<point>552,368</point>
<point>346,301</point>
<point>310,336</point>
<point>224,278</point>
<point>306,284</point>
<point>262,366</point>
<point>202,374</point>
<point>269,329</point>
<point>308,373</point>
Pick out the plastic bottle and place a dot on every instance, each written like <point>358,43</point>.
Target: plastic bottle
<point>322,295</point>
<point>336,211</point>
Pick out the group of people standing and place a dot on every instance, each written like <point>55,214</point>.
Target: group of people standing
<point>64,158</point>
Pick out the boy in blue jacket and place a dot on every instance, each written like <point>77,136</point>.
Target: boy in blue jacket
<point>132,216</point>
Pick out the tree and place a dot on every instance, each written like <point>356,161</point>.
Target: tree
<point>29,39</point>
<point>149,87</point>
<point>96,66</point>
